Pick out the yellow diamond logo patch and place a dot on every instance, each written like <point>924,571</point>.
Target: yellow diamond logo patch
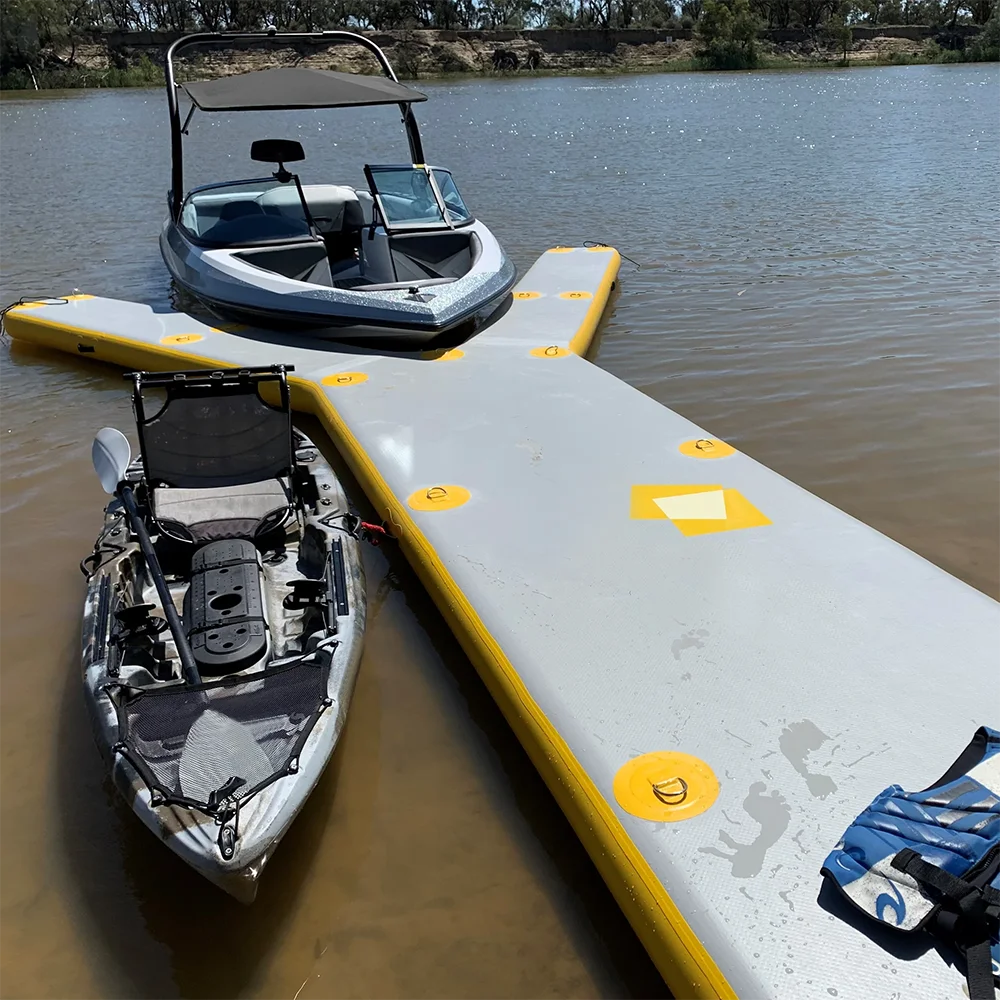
<point>696,509</point>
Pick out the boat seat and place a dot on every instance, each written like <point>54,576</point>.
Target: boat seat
<point>237,209</point>
<point>249,512</point>
<point>334,207</point>
<point>338,211</point>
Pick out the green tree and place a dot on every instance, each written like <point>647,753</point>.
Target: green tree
<point>985,47</point>
<point>30,28</point>
<point>508,13</point>
<point>558,13</point>
<point>981,11</point>
<point>728,32</point>
<point>838,32</point>
<point>775,13</point>
<point>654,13</point>
<point>811,14</point>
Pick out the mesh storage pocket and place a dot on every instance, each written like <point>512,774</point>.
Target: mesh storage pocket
<point>212,745</point>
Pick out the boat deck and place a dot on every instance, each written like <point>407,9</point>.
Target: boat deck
<point>627,585</point>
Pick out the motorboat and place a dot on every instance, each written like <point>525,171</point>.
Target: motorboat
<point>217,720</point>
<point>403,259</point>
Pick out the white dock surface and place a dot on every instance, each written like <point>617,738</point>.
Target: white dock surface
<point>621,594</point>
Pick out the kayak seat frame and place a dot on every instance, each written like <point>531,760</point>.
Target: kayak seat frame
<point>217,458</point>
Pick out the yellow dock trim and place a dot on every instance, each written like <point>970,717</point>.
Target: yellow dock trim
<point>682,960</point>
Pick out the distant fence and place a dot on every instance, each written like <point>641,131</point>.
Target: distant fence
<point>914,32</point>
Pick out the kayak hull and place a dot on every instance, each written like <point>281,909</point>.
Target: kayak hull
<point>265,817</point>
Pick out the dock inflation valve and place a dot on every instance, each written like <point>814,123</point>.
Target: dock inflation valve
<point>666,786</point>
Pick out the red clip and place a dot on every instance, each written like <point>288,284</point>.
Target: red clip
<point>373,533</point>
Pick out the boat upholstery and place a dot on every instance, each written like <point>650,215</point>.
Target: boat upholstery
<point>334,207</point>
<point>208,515</point>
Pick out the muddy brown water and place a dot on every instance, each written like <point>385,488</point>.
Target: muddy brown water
<point>819,287</point>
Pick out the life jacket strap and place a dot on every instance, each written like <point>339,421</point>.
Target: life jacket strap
<point>969,917</point>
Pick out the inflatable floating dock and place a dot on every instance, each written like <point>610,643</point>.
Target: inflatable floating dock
<point>713,670</point>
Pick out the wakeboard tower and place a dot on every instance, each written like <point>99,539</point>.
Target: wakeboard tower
<point>218,720</point>
<point>400,260</point>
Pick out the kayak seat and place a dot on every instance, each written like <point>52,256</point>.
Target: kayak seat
<point>217,459</point>
<point>251,511</point>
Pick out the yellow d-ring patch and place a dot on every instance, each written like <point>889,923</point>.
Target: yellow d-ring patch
<point>600,249</point>
<point>706,448</point>
<point>56,300</point>
<point>561,250</point>
<point>439,498</point>
<point>182,338</point>
<point>666,786</point>
<point>345,378</point>
<point>576,295</point>
<point>527,295</point>
<point>441,355</point>
<point>552,351</point>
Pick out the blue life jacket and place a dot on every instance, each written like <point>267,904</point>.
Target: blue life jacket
<point>930,860</point>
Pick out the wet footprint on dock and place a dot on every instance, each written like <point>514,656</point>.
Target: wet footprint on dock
<point>773,814</point>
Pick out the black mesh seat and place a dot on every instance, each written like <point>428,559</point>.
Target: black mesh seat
<point>217,457</point>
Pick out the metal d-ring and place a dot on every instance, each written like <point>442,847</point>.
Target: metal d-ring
<point>671,798</point>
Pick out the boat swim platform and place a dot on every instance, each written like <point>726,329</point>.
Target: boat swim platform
<point>714,670</point>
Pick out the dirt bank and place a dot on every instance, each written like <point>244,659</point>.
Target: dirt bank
<point>430,53</point>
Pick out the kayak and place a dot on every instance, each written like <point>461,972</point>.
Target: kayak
<point>224,617</point>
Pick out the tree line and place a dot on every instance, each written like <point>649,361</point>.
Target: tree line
<point>30,28</point>
<point>52,19</point>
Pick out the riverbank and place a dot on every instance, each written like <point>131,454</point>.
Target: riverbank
<point>134,60</point>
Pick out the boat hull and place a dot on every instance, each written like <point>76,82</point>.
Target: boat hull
<point>232,288</point>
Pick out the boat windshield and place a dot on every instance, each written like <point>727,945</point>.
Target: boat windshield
<point>454,206</point>
<point>242,213</point>
<point>413,196</point>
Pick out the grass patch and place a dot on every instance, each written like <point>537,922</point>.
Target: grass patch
<point>144,73</point>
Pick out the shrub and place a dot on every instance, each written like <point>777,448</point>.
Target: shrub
<point>727,32</point>
<point>931,52</point>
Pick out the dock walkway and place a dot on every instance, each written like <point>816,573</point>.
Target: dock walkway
<point>713,669</point>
